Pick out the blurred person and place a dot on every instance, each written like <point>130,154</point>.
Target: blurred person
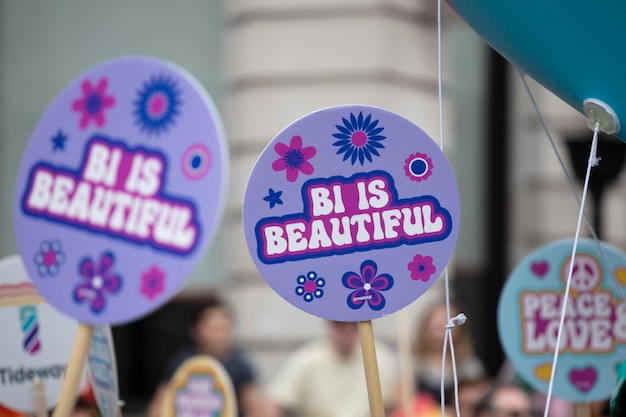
<point>428,347</point>
<point>471,392</point>
<point>423,405</point>
<point>212,333</point>
<point>326,378</point>
<point>506,401</point>
<point>600,408</point>
<point>558,406</point>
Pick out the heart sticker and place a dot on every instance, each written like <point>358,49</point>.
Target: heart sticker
<point>540,269</point>
<point>620,274</point>
<point>543,371</point>
<point>583,379</point>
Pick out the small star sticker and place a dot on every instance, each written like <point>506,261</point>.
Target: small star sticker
<point>58,141</point>
<point>273,198</point>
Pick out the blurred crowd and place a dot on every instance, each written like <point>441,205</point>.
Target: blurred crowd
<point>326,377</point>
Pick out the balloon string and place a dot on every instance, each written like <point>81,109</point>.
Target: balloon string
<point>458,320</point>
<point>451,322</point>
<point>593,161</point>
<point>592,230</point>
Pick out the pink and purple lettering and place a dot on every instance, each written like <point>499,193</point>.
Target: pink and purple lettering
<point>594,322</point>
<point>346,215</point>
<point>118,191</point>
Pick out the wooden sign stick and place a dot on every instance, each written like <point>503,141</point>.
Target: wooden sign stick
<point>374,393</point>
<point>39,396</point>
<point>74,370</point>
<point>582,410</point>
<point>407,388</point>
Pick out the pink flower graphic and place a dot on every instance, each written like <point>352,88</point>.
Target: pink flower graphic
<point>93,103</point>
<point>294,158</point>
<point>421,268</point>
<point>152,282</point>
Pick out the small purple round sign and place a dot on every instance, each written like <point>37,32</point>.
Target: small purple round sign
<point>120,189</point>
<point>351,213</point>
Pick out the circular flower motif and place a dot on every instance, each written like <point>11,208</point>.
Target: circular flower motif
<point>359,138</point>
<point>157,105</point>
<point>310,286</point>
<point>49,257</point>
<point>294,158</point>
<point>367,286</point>
<point>98,281</point>
<point>196,161</point>
<point>418,167</point>
<point>421,268</point>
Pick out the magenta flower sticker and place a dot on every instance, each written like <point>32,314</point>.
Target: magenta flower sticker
<point>98,281</point>
<point>421,268</point>
<point>310,286</point>
<point>152,282</point>
<point>93,103</point>
<point>49,257</point>
<point>418,167</point>
<point>367,286</point>
<point>294,158</point>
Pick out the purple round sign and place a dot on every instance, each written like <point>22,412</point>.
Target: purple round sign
<point>120,189</point>
<point>351,213</point>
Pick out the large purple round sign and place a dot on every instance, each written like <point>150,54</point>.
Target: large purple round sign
<point>351,213</point>
<point>120,189</point>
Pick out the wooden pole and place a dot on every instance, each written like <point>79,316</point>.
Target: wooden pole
<point>39,395</point>
<point>74,371</point>
<point>582,410</point>
<point>370,363</point>
<point>407,384</point>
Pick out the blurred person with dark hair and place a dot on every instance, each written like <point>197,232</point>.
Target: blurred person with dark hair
<point>326,378</point>
<point>212,333</point>
<point>471,392</point>
<point>559,407</point>
<point>506,401</point>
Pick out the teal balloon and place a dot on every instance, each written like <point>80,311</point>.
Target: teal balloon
<point>618,407</point>
<point>574,48</point>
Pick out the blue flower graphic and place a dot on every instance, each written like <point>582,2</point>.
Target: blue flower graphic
<point>157,105</point>
<point>273,198</point>
<point>367,286</point>
<point>359,138</point>
<point>310,286</point>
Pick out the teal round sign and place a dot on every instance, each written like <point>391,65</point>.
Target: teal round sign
<point>594,333</point>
